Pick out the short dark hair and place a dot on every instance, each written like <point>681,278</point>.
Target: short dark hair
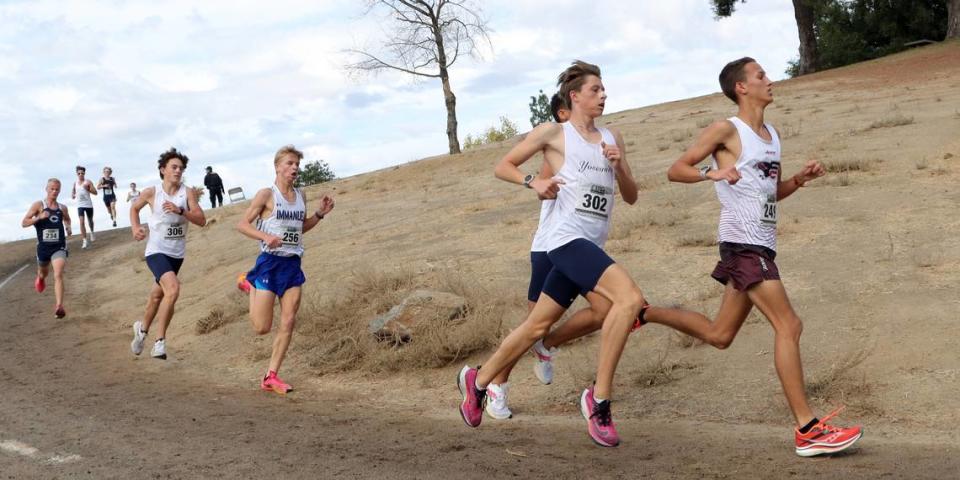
<point>81,168</point>
<point>556,103</point>
<point>165,158</point>
<point>731,74</point>
<point>209,168</point>
<point>573,78</point>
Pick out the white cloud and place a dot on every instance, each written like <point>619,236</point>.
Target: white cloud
<point>57,100</point>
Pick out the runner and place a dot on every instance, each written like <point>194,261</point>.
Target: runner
<point>133,194</point>
<point>82,190</point>
<point>109,186</point>
<point>281,215</point>
<point>746,174</point>
<point>589,161</point>
<point>53,227</point>
<point>173,204</point>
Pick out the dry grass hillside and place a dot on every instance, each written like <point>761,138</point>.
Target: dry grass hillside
<point>870,255</point>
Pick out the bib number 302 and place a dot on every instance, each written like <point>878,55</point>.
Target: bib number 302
<point>595,200</point>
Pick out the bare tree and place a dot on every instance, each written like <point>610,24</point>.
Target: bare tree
<point>804,13</point>
<point>953,19</point>
<point>425,40</point>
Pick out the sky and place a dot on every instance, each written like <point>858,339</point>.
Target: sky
<point>115,83</point>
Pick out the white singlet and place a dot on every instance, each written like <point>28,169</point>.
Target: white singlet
<point>285,222</point>
<point>168,231</point>
<point>748,212</point>
<point>584,203</point>
<point>83,195</point>
<point>539,238</point>
<point>134,195</point>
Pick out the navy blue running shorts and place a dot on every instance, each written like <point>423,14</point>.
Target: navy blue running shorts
<point>581,262</point>
<point>160,264</point>
<point>540,266</point>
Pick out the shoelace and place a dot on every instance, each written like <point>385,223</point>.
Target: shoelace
<point>602,412</point>
<point>822,424</point>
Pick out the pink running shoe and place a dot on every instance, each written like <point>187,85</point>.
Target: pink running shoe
<point>471,408</point>
<point>272,382</point>
<point>243,284</point>
<point>599,421</point>
<point>60,312</point>
<point>40,284</point>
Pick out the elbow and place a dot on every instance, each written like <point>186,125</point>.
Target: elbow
<point>672,175</point>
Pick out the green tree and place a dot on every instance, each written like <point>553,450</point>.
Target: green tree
<point>313,173</point>
<point>539,109</point>
<point>505,131</point>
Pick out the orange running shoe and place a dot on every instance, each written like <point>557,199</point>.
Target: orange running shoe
<point>272,382</point>
<point>825,439</point>
<point>243,284</point>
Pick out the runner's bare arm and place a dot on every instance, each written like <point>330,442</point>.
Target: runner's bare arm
<point>256,209</point>
<point>811,170</point>
<point>535,141</point>
<point>326,206</point>
<point>90,188</point>
<point>194,213</point>
<point>65,213</point>
<point>621,168</point>
<point>32,216</point>
<point>712,139</point>
<point>138,204</point>
<point>73,192</point>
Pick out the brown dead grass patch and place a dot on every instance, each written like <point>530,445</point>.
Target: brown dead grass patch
<point>338,339</point>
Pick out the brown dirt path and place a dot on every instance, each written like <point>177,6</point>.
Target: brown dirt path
<point>72,392</point>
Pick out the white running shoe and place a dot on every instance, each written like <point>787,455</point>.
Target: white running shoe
<point>497,401</point>
<point>543,367</point>
<point>136,346</point>
<point>159,350</point>
<point>91,237</point>
<point>84,243</point>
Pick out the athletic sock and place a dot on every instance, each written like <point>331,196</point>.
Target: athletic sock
<point>598,400</point>
<point>806,428</point>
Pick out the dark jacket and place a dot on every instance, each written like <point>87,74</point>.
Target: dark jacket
<point>213,183</point>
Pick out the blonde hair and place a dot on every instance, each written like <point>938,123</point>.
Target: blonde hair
<point>284,151</point>
<point>51,180</point>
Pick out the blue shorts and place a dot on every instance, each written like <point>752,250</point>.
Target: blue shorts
<point>160,264</point>
<point>540,267</point>
<point>47,254</point>
<point>276,274</point>
<point>577,266</point>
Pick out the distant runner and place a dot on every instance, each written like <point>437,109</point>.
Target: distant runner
<point>52,223</point>
<point>108,185</point>
<point>82,190</point>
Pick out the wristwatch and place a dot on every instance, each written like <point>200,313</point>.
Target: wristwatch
<point>527,180</point>
<point>703,171</point>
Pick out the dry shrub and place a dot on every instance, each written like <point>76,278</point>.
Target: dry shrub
<point>700,240</point>
<point>338,338</point>
<point>895,120</point>
<point>221,315</point>
<point>661,371</point>
<point>840,383</point>
<point>850,165</point>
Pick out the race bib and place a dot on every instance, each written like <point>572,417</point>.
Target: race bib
<point>51,235</point>
<point>594,200</point>
<point>768,209</point>
<point>107,191</point>
<point>291,236</point>
<point>174,231</point>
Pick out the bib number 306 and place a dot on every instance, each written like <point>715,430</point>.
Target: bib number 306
<point>175,231</point>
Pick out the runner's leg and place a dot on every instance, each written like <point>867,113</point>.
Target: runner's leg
<point>261,310</point>
<point>616,285</point>
<point>771,298</point>
<point>289,305</point>
<point>720,333</point>
<point>58,287</point>
<point>153,305</point>
<point>585,321</point>
<point>170,285</point>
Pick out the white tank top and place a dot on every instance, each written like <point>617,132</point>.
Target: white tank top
<point>585,202</point>
<point>748,212</point>
<point>539,238</point>
<point>83,196</point>
<point>285,222</point>
<point>168,231</point>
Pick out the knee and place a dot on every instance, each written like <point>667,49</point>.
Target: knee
<point>790,327</point>
<point>172,290</point>
<point>287,324</point>
<point>632,299</point>
<point>156,296</point>
<point>58,275</point>
<point>261,329</point>
<point>721,340</point>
